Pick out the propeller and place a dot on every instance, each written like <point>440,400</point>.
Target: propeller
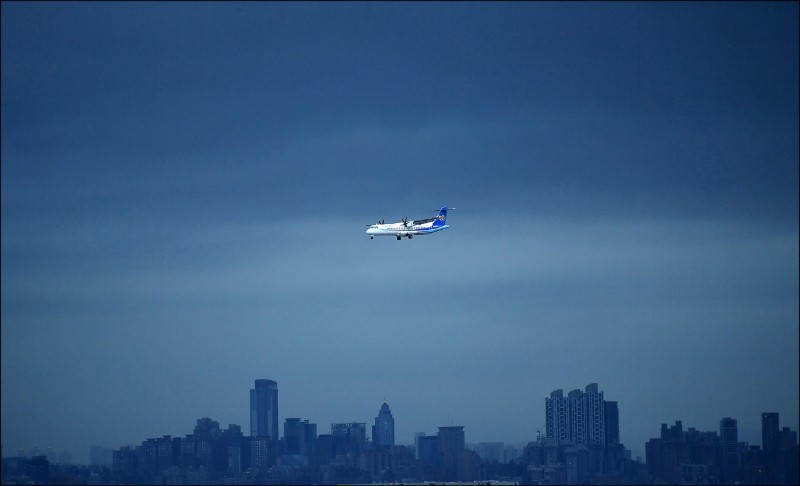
<point>405,221</point>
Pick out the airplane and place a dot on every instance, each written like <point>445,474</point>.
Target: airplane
<point>408,228</point>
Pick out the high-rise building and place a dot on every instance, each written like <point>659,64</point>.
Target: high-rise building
<point>417,436</point>
<point>383,430</point>
<point>427,449</point>
<point>729,438</point>
<point>557,414</point>
<point>770,436</point>
<point>451,446</point>
<point>232,442</point>
<point>323,449</point>
<point>293,437</point>
<point>788,457</point>
<point>578,418</point>
<point>299,437</point>
<point>595,431</point>
<point>264,410</point>
<point>664,455</point>
<point>349,437</point>
<point>264,416</point>
<point>260,452</point>
<point>612,423</point>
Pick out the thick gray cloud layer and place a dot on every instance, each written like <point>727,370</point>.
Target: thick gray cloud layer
<point>184,190</point>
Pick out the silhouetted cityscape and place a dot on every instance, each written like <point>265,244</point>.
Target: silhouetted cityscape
<point>580,445</point>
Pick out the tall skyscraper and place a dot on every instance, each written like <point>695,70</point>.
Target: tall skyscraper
<point>264,410</point>
<point>427,449</point>
<point>729,435</point>
<point>595,432</point>
<point>578,418</point>
<point>612,423</point>
<point>557,415</point>
<point>451,446</point>
<point>770,436</point>
<point>383,430</point>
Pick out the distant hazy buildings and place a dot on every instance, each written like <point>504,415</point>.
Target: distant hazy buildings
<point>780,451</point>
<point>383,430</point>
<point>580,417</point>
<point>581,441</point>
<point>677,455</point>
<point>454,462</point>
<point>695,457</point>
<point>349,438</point>
<point>612,423</point>
<point>451,444</point>
<point>264,412</point>
<point>557,416</point>
<point>427,451</point>
<point>581,447</point>
<point>769,436</point>
<point>299,438</point>
<point>100,456</point>
<point>729,437</point>
<point>492,451</point>
<point>38,469</point>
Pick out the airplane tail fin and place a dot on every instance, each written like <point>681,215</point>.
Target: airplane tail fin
<point>441,218</point>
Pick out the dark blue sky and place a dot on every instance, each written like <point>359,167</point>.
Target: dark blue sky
<point>185,188</point>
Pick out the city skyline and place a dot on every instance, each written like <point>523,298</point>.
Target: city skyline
<point>592,389</point>
<point>185,187</point>
<point>580,446</point>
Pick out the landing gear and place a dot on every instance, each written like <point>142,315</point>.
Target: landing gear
<point>398,238</point>
<point>410,236</point>
<point>371,237</point>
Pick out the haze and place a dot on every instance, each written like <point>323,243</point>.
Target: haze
<point>185,188</point>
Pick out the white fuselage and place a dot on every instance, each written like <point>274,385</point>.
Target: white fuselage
<point>404,229</point>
